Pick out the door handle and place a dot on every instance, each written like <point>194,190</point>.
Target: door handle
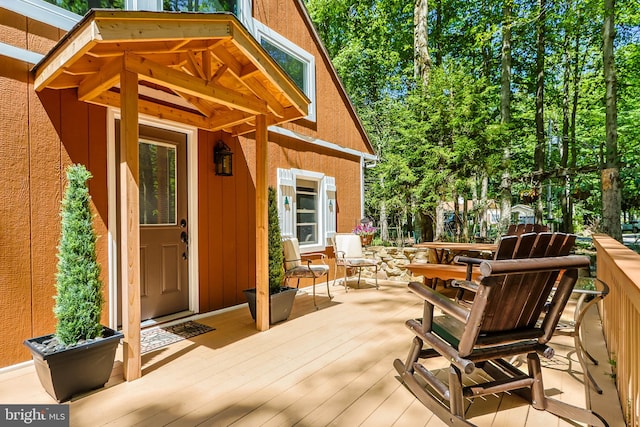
<point>184,238</point>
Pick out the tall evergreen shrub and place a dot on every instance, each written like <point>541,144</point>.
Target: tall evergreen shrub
<point>276,256</point>
<point>79,297</point>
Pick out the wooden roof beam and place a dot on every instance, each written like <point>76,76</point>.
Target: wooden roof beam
<point>272,103</point>
<point>229,120</point>
<point>105,79</point>
<point>196,66</point>
<point>112,99</point>
<point>182,82</point>
<point>206,108</point>
<point>244,75</point>
<point>274,73</point>
<point>54,64</point>
<point>145,30</point>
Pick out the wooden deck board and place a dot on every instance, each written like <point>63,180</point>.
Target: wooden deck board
<point>332,366</point>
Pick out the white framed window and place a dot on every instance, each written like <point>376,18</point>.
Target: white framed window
<point>299,64</point>
<point>307,207</point>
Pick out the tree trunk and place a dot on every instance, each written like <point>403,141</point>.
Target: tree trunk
<point>539,154</point>
<point>426,227</point>
<point>384,224</point>
<point>611,193</point>
<point>465,220</point>
<point>505,112</point>
<point>437,33</point>
<point>565,198</point>
<point>483,199</point>
<point>422,60</point>
<point>439,221</point>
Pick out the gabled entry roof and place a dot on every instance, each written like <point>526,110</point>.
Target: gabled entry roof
<point>204,70</point>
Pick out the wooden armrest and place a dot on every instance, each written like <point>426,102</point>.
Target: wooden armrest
<point>442,302</point>
<point>468,260</point>
<point>467,285</point>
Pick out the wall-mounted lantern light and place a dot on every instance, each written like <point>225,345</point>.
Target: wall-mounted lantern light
<point>222,157</point>
<point>286,202</point>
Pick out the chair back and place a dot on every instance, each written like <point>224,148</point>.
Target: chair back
<point>518,229</point>
<point>292,257</point>
<point>516,300</point>
<point>348,245</point>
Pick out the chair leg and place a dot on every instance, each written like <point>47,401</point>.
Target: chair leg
<point>359,274</point>
<point>346,287</point>
<point>377,287</point>
<point>456,400</point>
<point>328,291</point>
<point>540,401</point>
<point>314,293</point>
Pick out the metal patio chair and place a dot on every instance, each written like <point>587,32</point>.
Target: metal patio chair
<point>300,266</point>
<point>348,253</point>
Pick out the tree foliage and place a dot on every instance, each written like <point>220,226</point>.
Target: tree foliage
<point>276,256</point>
<point>434,142</point>
<point>79,297</point>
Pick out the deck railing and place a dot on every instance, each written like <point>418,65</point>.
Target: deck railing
<point>619,267</point>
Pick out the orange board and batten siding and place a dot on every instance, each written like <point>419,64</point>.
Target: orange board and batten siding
<point>40,135</point>
<point>336,121</point>
<point>226,208</point>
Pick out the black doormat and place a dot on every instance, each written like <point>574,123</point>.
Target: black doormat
<point>154,338</point>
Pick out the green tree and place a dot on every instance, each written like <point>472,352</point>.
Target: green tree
<point>276,256</point>
<point>79,289</point>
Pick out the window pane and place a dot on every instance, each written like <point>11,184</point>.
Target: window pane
<point>82,6</point>
<point>293,66</point>
<point>306,201</point>
<point>307,211</point>
<point>202,5</point>
<point>307,233</point>
<point>306,217</point>
<point>157,184</point>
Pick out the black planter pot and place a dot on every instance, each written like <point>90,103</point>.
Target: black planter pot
<point>280,304</point>
<point>75,369</point>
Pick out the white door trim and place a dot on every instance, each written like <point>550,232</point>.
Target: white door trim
<point>192,197</point>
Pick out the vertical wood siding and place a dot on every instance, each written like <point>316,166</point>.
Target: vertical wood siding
<point>40,134</point>
<point>227,209</point>
<point>227,204</point>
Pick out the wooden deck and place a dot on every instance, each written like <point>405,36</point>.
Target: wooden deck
<point>327,367</point>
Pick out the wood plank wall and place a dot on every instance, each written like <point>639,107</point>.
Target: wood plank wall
<point>226,237</point>
<point>227,204</point>
<point>40,134</point>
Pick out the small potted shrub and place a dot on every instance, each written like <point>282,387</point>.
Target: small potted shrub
<point>281,298</point>
<point>79,356</point>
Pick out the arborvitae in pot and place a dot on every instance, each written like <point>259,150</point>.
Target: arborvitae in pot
<point>79,299</point>
<point>276,256</point>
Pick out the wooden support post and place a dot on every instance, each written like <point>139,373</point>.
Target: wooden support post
<point>130,225</point>
<point>262,225</point>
